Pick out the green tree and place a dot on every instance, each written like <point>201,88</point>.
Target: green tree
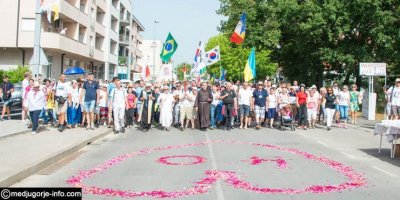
<point>234,58</point>
<point>310,37</point>
<point>15,75</point>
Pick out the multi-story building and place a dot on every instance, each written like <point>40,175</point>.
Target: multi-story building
<point>151,50</point>
<point>97,35</point>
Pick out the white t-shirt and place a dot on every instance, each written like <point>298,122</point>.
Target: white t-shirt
<point>177,93</point>
<point>344,98</point>
<point>272,101</point>
<point>62,89</point>
<point>36,100</point>
<point>284,99</point>
<point>312,101</point>
<point>336,91</point>
<point>394,96</point>
<point>215,101</point>
<point>118,96</point>
<point>75,94</point>
<point>103,102</point>
<point>245,96</point>
<point>186,102</point>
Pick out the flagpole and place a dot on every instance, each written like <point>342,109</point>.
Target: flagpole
<point>36,49</point>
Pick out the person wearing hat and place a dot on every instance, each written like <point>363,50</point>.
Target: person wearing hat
<point>259,104</point>
<point>393,94</point>
<point>120,103</point>
<point>36,102</point>
<point>166,101</point>
<point>177,107</point>
<point>146,115</point>
<point>6,90</point>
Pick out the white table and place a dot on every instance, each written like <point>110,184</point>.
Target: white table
<point>391,129</point>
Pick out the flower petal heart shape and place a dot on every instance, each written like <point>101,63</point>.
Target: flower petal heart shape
<point>354,179</point>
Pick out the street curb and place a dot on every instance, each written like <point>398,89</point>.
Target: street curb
<point>40,165</point>
<point>15,134</point>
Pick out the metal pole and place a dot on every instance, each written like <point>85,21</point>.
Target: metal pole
<point>154,60</point>
<point>154,45</point>
<point>36,47</point>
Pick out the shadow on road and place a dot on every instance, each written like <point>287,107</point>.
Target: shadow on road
<point>383,156</point>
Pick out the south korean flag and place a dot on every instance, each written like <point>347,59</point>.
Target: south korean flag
<point>212,56</point>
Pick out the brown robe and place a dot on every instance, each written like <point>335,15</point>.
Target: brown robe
<point>203,100</point>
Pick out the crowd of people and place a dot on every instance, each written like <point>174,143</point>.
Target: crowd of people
<point>88,104</point>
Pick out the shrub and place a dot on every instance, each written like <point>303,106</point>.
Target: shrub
<point>15,75</point>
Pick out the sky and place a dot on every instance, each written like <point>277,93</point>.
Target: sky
<point>189,21</point>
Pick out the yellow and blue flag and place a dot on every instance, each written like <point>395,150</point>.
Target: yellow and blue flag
<point>250,69</point>
<point>169,48</point>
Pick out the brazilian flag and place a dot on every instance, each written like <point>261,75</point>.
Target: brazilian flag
<point>169,48</point>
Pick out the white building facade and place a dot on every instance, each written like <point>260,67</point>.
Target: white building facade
<point>96,35</point>
<point>151,50</point>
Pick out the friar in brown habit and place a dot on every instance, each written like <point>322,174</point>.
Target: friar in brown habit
<point>202,106</point>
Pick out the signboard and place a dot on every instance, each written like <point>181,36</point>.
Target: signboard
<point>372,69</point>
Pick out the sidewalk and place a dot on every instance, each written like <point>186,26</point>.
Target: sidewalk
<point>12,127</point>
<point>364,123</point>
<point>23,155</point>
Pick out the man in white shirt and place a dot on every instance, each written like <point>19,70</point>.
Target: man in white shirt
<point>394,99</point>
<point>177,93</point>
<point>120,102</point>
<point>61,97</point>
<point>245,98</point>
<point>186,100</point>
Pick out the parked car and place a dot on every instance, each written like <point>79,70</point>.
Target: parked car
<point>16,107</point>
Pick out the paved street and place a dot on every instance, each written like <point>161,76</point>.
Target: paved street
<point>228,156</point>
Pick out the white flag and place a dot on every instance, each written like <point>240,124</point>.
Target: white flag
<point>212,56</point>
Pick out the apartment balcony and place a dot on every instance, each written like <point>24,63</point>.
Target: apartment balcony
<point>139,38</point>
<point>61,43</point>
<point>123,40</point>
<point>74,13</point>
<point>123,21</point>
<point>100,29</point>
<point>139,53</point>
<point>102,4</point>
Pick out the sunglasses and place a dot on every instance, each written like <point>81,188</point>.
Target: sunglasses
<point>398,82</point>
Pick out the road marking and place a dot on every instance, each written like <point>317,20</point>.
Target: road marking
<point>384,171</point>
<point>348,155</point>
<point>220,193</point>
<point>323,144</point>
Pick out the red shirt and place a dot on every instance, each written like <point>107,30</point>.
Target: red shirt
<point>302,97</point>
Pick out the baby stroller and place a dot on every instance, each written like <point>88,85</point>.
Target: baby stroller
<point>286,118</point>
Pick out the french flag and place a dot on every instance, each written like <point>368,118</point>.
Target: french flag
<point>240,30</point>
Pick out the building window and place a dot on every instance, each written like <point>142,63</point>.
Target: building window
<point>111,70</point>
<point>49,67</point>
<point>100,72</point>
